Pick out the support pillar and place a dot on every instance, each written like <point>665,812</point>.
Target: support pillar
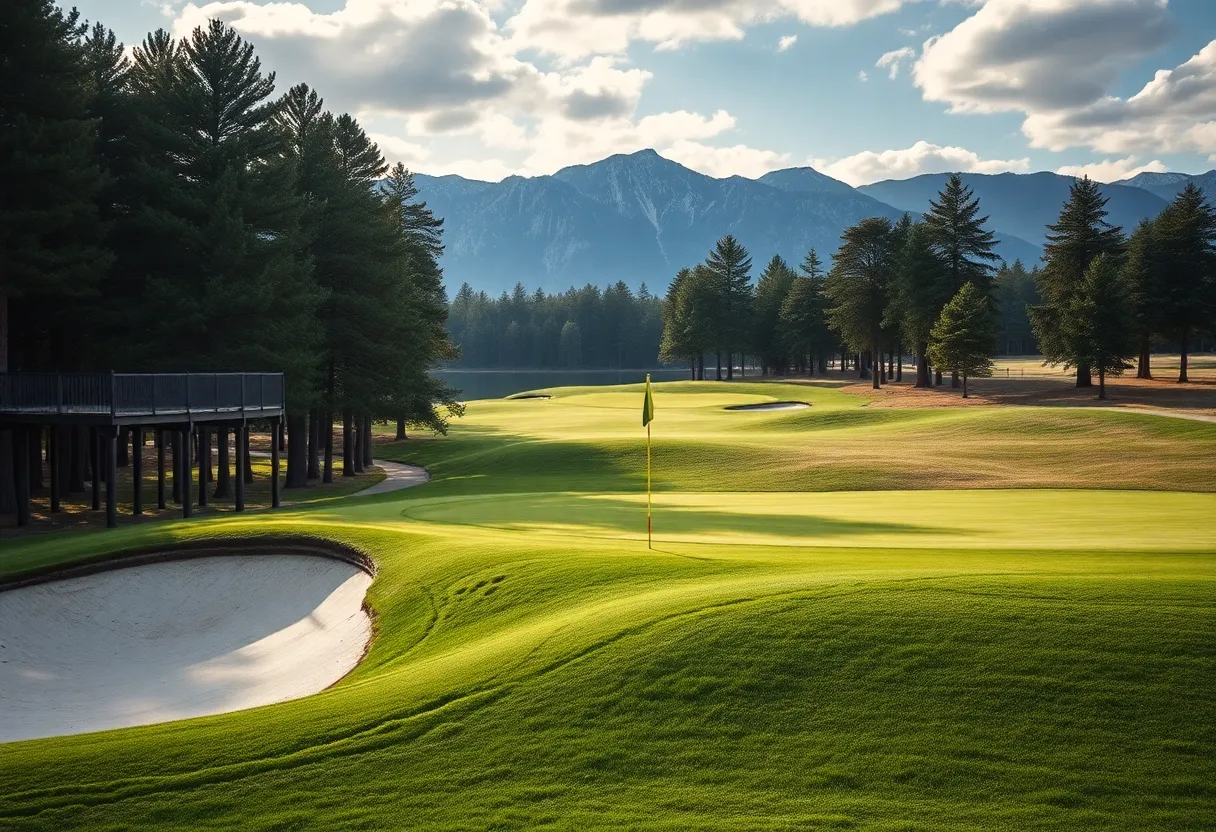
<point>53,450</point>
<point>95,456</point>
<point>276,439</point>
<point>242,448</point>
<point>111,455</point>
<point>204,463</point>
<point>160,468</point>
<point>21,471</point>
<point>186,469</point>
<point>137,471</point>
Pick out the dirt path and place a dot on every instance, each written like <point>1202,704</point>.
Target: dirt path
<point>397,475</point>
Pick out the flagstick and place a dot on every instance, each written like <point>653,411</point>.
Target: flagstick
<point>649,540</point>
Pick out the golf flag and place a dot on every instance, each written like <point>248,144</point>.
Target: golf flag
<point>647,418</point>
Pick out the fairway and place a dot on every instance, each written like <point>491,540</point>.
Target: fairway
<point>852,618</point>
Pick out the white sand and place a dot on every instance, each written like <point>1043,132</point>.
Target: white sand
<point>770,406</point>
<point>179,639</point>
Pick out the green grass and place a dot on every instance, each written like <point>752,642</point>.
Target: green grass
<point>838,629</point>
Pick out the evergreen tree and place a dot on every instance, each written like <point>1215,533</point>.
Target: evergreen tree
<point>916,294</point>
<point>1102,321</point>
<point>802,323</point>
<point>771,291</point>
<point>1079,236</point>
<point>857,287</point>
<point>571,349</point>
<point>731,265</point>
<point>963,338</point>
<point>1186,288</point>
<point>1142,273</point>
<point>962,242</point>
<point>1015,291</point>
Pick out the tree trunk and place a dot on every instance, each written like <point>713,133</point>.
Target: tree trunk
<point>223,475</point>
<point>243,436</point>
<point>401,437</point>
<point>899,363</point>
<point>730,366</point>
<point>299,447</point>
<point>348,443</point>
<point>718,366</point>
<point>964,385</point>
<point>35,456</point>
<point>1084,378</point>
<point>954,378</point>
<point>1101,383</point>
<point>327,434</point>
<point>360,440</point>
<point>1182,356</point>
<point>1143,368</point>
<point>937,377</point>
<point>369,446</point>
<point>880,371</point>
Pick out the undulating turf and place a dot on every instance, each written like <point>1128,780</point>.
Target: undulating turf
<point>852,619</point>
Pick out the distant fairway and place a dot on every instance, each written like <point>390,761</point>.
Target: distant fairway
<point>853,618</point>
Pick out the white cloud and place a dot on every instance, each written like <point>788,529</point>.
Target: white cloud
<point>922,157</point>
<point>895,59</point>
<point>1054,61</point>
<point>1112,170</point>
<point>862,76</point>
<point>739,160</point>
<point>786,42</point>
<point>576,28</point>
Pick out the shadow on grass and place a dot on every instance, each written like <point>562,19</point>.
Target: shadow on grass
<point>606,515</point>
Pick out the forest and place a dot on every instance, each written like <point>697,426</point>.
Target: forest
<point>165,208</point>
<point>932,289</point>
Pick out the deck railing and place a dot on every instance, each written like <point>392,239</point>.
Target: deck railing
<point>141,394</point>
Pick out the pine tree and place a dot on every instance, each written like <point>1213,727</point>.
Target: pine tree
<point>963,338</point>
<point>1015,291</point>
<point>916,294</point>
<point>961,241</point>
<point>802,324</point>
<point>1079,236</point>
<point>1103,321</point>
<point>771,292</point>
<point>1186,289</point>
<point>730,264</point>
<point>1142,273</point>
<point>858,284</point>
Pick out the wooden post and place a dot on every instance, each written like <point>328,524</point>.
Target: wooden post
<point>241,450</point>
<point>53,450</point>
<point>204,463</point>
<point>95,456</point>
<point>186,469</point>
<point>137,470</point>
<point>21,470</point>
<point>160,468</point>
<point>111,454</point>
<point>276,437</point>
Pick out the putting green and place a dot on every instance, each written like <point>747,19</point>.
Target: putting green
<point>852,619</point>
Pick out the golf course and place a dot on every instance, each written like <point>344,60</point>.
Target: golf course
<point>850,617</point>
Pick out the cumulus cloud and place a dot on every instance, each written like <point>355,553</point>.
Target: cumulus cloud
<point>1054,61</point>
<point>894,60</point>
<point>786,42</point>
<point>1112,170</point>
<point>576,28</point>
<point>922,157</point>
<point>739,160</point>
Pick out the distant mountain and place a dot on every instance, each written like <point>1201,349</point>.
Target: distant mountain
<point>1167,185</point>
<point>807,180</point>
<point>637,218</point>
<point>1021,205</point>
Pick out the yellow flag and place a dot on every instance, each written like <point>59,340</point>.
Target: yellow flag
<point>648,405</point>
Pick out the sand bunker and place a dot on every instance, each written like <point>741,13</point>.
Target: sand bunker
<point>771,406</point>
<point>176,639</point>
<point>521,396</point>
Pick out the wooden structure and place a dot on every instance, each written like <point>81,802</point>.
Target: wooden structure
<point>174,405</point>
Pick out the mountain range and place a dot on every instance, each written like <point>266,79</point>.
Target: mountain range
<point>640,217</point>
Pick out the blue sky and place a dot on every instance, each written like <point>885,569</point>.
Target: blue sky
<point>488,88</point>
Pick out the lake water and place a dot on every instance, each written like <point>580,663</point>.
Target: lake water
<point>496,384</point>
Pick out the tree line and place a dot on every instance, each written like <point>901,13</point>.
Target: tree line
<point>166,210</point>
<point>585,328</point>
<point>932,288</point>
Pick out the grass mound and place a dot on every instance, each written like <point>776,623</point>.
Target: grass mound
<point>834,631</point>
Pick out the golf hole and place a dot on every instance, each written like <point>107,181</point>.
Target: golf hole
<point>173,639</point>
<point>770,406</point>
